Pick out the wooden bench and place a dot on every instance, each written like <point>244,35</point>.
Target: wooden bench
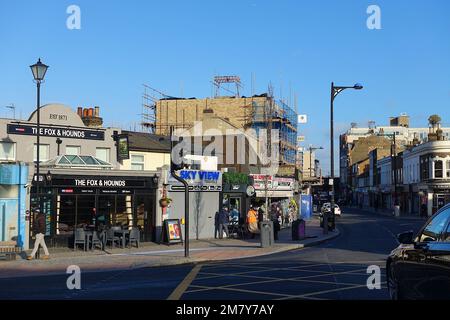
<point>9,250</point>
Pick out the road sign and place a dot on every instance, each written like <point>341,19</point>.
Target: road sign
<point>302,118</point>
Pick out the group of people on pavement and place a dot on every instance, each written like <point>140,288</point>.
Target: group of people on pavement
<point>255,215</point>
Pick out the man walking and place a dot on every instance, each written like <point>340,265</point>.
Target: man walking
<point>224,218</point>
<point>216,224</point>
<point>39,231</point>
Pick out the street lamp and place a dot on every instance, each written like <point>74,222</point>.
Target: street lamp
<point>39,70</point>
<point>335,90</point>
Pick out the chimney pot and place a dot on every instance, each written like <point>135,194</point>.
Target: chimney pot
<point>97,111</point>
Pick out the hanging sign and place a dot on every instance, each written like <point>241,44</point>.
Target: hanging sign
<point>123,151</point>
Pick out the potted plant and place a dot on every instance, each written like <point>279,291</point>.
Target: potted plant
<point>165,201</point>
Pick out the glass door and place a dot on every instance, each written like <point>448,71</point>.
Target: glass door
<point>144,217</point>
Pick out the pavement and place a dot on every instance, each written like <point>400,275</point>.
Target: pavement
<point>338,269</point>
<point>155,255</point>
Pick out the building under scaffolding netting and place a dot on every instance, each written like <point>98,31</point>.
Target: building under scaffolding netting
<point>277,115</point>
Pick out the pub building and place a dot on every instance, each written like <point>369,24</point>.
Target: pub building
<point>72,196</point>
<point>83,179</point>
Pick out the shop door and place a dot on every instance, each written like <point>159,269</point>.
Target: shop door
<point>144,217</point>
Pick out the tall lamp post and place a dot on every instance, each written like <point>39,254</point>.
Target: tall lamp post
<point>335,90</point>
<point>39,69</point>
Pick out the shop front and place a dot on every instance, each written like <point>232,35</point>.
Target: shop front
<point>434,195</point>
<point>80,199</point>
<point>205,188</point>
<point>278,191</point>
<point>237,198</point>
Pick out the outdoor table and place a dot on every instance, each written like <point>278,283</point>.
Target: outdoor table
<point>123,234</point>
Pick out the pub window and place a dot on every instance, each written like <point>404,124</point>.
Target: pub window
<point>424,169</point>
<point>7,151</point>
<point>44,152</point>
<point>137,162</point>
<point>73,150</point>
<point>448,169</point>
<point>438,169</point>
<point>102,154</point>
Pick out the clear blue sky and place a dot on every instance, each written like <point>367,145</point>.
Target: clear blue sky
<point>178,46</point>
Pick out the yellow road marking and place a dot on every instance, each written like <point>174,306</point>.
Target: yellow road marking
<point>182,287</point>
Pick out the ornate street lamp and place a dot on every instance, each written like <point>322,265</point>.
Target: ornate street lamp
<point>39,70</point>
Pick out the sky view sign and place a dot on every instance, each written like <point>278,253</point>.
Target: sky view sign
<point>56,132</point>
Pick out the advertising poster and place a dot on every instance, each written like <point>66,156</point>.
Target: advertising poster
<point>306,206</point>
<point>173,231</point>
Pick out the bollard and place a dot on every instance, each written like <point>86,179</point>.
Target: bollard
<point>325,223</point>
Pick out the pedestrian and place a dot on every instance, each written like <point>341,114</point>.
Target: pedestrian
<point>39,227</point>
<point>216,224</point>
<point>276,222</point>
<point>224,219</point>
<point>260,215</point>
<point>252,221</point>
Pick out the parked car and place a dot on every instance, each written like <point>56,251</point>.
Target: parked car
<point>419,268</point>
<point>327,208</point>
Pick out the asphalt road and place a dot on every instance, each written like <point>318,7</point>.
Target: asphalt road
<point>334,270</point>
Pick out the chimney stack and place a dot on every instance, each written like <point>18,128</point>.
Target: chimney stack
<point>91,116</point>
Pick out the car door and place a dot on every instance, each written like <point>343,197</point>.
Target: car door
<point>433,255</point>
<point>412,267</point>
<point>438,266</point>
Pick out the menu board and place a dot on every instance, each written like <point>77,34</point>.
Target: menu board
<point>172,231</point>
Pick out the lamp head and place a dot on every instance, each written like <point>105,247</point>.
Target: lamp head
<point>357,86</point>
<point>39,69</point>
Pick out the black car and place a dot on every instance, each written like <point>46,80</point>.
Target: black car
<point>419,268</point>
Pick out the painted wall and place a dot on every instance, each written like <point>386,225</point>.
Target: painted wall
<point>152,160</point>
<point>13,199</point>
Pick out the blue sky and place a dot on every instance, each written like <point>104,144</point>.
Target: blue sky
<point>178,46</point>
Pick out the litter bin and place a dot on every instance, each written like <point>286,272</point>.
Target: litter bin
<point>266,229</point>
<point>298,229</point>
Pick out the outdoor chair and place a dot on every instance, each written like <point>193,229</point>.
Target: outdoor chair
<point>96,241</point>
<point>110,237</point>
<point>134,237</point>
<point>80,238</point>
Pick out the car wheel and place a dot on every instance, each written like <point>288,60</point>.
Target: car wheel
<point>392,284</point>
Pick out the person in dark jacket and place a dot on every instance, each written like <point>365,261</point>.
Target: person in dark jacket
<point>39,227</point>
<point>224,219</point>
<point>216,224</point>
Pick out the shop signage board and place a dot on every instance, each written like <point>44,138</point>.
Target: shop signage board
<point>98,182</point>
<point>61,132</point>
<point>198,181</point>
<point>273,183</point>
<point>172,231</point>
